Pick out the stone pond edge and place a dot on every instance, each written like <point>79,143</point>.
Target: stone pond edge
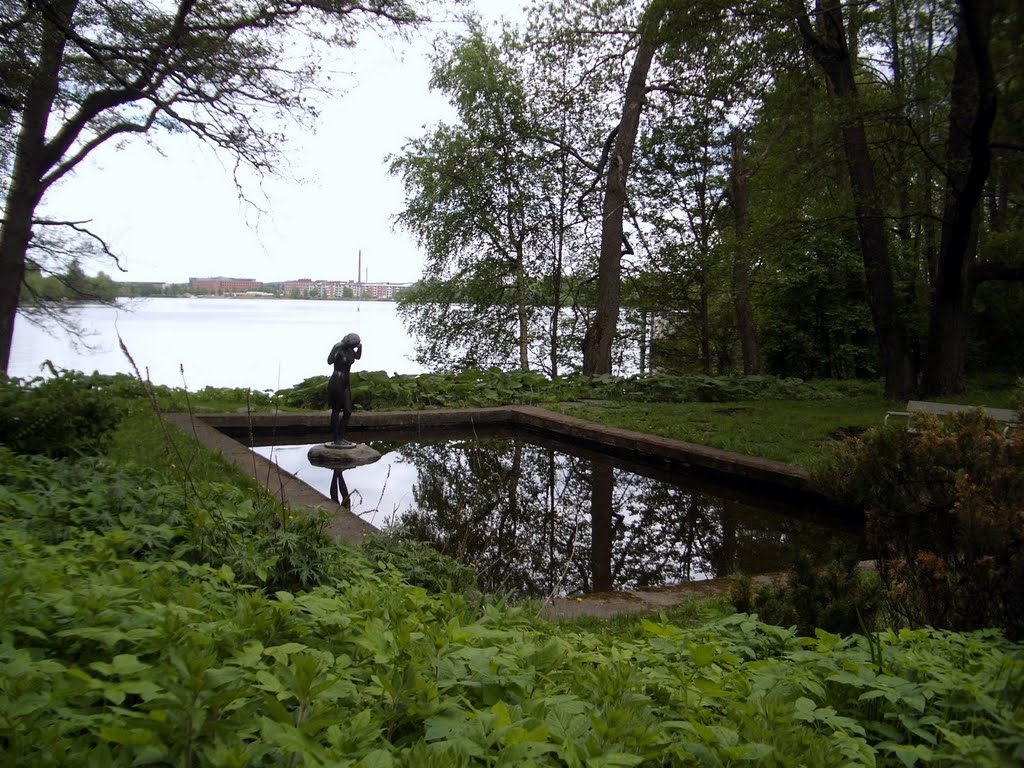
<point>230,434</point>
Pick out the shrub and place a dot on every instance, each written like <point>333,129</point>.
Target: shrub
<point>838,598</point>
<point>69,414</point>
<point>419,563</point>
<point>216,525</point>
<point>377,390</point>
<point>945,513</point>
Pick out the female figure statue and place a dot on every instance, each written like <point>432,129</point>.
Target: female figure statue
<point>339,390</point>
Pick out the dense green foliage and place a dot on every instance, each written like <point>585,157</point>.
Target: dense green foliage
<point>377,390</point>
<point>792,431</point>
<point>420,564</point>
<point>68,284</point>
<point>789,420</point>
<point>109,659</point>
<point>944,503</point>
<point>768,154</point>
<point>153,610</point>
<point>75,396</point>
<point>212,523</point>
<point>837,598</point>
<point>145,441</point>
<point>60,416</point>
<point>797,431</point>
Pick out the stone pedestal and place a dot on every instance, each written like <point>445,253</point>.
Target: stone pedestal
<point>342,456</point>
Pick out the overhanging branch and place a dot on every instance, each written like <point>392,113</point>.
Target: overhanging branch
<point>121,128</point>
<point>989,271</point>
<point>80,228</point>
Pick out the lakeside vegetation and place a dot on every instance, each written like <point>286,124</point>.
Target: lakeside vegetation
<point>159,608</point>
<point>789,420</point>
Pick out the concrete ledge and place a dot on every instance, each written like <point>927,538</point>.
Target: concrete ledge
<point>279,483</point>
<point>280,425</point>
<point>745,474</point>
<point>675,454</point>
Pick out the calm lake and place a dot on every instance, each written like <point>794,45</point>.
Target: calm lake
<point>258,344</point>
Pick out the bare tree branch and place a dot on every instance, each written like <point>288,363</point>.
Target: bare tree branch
<point>80,228</point>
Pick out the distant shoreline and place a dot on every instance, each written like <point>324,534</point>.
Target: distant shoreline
<point>249,296</point>
<point>273,296</point>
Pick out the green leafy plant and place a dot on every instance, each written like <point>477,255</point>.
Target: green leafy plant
<point>838,598</point>
<point>69,414</point>
<point>109,659</point>
<point>148,621</point>
<point>262,542</point>
<point>376,390</point>
<point>419,563</point>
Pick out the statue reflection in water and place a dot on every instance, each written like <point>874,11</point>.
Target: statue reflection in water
<point>340,493</point>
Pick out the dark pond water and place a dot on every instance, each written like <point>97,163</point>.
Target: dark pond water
<point>538,520</point>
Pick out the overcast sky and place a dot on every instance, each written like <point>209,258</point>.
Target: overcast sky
<point>178,215</point>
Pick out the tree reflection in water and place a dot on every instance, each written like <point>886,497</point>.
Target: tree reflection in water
<point>538,522</point>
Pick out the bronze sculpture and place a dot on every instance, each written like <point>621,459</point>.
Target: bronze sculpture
<point>339,389</point>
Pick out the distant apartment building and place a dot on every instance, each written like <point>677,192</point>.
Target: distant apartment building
<point>317,289</point>
<point>339,289</point>
<point>301,287</point>
<point>381,290</point>
<point>222,284</point>
<point>332,289</point>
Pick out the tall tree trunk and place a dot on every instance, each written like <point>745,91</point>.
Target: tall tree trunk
<point>597,344</point>
<point>558,243</point>
<point>602,484</point>
<point>522,309</point>
<point>558,239</point>
<point>704,324</point>
<point>829,49</point>
<point>968,161</point>
<point>556,301</point>
<point>27,187</point>
<point>740,194</point>
<point>925,233</point>
<point>643,341</point>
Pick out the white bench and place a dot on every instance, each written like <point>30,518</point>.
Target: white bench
<point>1005,416</point>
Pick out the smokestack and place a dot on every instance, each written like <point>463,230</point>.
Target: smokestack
<point>359,271</point>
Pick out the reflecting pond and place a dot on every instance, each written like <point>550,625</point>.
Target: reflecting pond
<point>540,519</point>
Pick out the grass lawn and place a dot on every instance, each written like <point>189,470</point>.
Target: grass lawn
<point>791,431</point>
<point>794,431</point>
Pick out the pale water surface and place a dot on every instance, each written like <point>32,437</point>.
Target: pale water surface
<point>543,520</point>
<point>258,344</point>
